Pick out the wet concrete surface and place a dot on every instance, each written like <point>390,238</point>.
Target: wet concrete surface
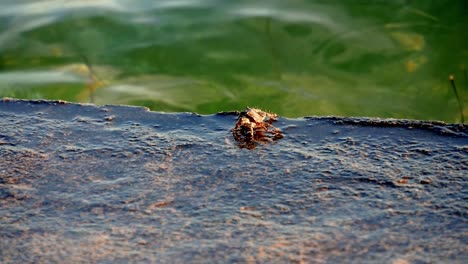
<point>116,184</point>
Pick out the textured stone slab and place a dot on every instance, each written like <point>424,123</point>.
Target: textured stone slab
<point>117,184</point>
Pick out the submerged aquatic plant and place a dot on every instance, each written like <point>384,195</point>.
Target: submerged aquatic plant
<point>460,103</point>
<point>92,76</point>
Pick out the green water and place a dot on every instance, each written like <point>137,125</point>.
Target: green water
<point>296,58</point>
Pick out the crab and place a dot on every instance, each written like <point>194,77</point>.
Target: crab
<point>254,125</point>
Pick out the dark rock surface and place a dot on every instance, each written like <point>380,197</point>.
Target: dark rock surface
<point>116,184</point>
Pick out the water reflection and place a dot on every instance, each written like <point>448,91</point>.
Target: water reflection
<point>296,58</point>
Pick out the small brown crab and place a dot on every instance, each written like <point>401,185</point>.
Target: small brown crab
<point>254,125</point>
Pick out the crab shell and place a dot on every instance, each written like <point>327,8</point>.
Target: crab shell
<point>257,116</point>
